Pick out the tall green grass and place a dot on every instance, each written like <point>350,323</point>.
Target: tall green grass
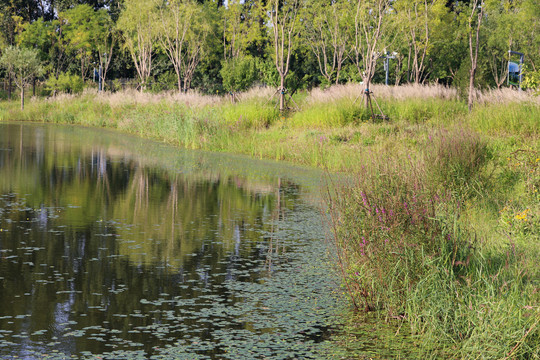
<point>405,247</point>
<point>509,118</point>
<point>339,113</point>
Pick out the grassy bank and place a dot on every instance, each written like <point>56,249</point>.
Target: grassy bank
<point>439,230</point>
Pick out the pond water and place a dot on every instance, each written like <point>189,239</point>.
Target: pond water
<point>115,247</point>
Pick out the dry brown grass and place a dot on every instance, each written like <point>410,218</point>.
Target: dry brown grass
<point>403,92</point>
<point>257,92</point>
<point>412,91</point>
<point>318,95</point>
<point>506,95</point>
<point>134,97</point>
<point>190,99</point>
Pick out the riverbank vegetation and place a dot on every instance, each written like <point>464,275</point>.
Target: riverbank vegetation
<point>437,229</point>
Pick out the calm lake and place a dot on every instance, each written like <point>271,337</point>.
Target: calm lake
<point>115,247</point>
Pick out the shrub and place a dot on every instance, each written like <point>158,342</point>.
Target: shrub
<point>239,74</point>
<point>66,83</point>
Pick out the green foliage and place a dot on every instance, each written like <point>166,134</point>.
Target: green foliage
<point>239,74</point>
<point>83,31</point>
<point>268,73</point>
<point>66,83</point>
<point>22,63</point>
<point>163,82</point>
<point>38,34</point>
<point>531,79</point>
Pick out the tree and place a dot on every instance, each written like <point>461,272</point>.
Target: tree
<point>238,74</point>
<point>138,25</point>
<point>369,25</point>
<point>418,18</point>
<point>284,21</point>
<point>183,32</point>
<point>85,31</point>
<point>326,28</point>
<point>241,27</point>
<point>474,24</point>
<point>22,64</point>
<point>105,39</point>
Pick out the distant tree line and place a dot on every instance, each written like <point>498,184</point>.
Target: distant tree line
<point>219,46</point>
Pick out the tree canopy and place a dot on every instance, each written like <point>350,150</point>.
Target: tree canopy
<point>210,44</point>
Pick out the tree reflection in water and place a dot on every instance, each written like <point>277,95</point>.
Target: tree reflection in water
<point>103,252</point>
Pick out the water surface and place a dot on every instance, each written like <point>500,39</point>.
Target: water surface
<point>114,247</point>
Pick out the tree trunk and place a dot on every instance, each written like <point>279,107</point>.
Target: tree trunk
<point>473,50</point>
<point>22,98</point>
<point>9,87</point>
<point>179,79</point>
<point>282,94</point>
<point>34,86</point>
<point>366,93</point>
<point>471,87</point>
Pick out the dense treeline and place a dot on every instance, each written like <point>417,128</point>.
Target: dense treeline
<point>217,46</point>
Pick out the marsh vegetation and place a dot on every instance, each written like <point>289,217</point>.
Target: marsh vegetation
<point>434,213</point>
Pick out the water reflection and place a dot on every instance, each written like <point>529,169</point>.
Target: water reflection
<point>101,252</point>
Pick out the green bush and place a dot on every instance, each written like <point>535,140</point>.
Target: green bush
<point>66,83</point>
<point>239,74</point>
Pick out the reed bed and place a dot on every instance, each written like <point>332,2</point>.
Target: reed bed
<point>404,92</point>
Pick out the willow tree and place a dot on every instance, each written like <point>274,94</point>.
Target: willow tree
<point>369,25</point>
<point>183,28</point>
<point>284,21</point>
<point>22,64</point>
<point>138,24</point>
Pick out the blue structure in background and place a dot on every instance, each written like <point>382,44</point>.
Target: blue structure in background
<point>515,74</point>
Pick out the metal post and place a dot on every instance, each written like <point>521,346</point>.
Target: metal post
<point>508,76</point>
<point>387,58</point>
<point>520,70</point>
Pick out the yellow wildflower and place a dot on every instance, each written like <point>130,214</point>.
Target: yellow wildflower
<point>522,215</point>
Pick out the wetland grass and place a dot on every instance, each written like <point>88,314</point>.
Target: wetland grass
<point>405,231</point>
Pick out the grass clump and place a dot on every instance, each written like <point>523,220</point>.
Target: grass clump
<point>507,118</point>
<point>456,159</point>
<point>250,114</point>
<point>418,110</point>
<point>342,112</point>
